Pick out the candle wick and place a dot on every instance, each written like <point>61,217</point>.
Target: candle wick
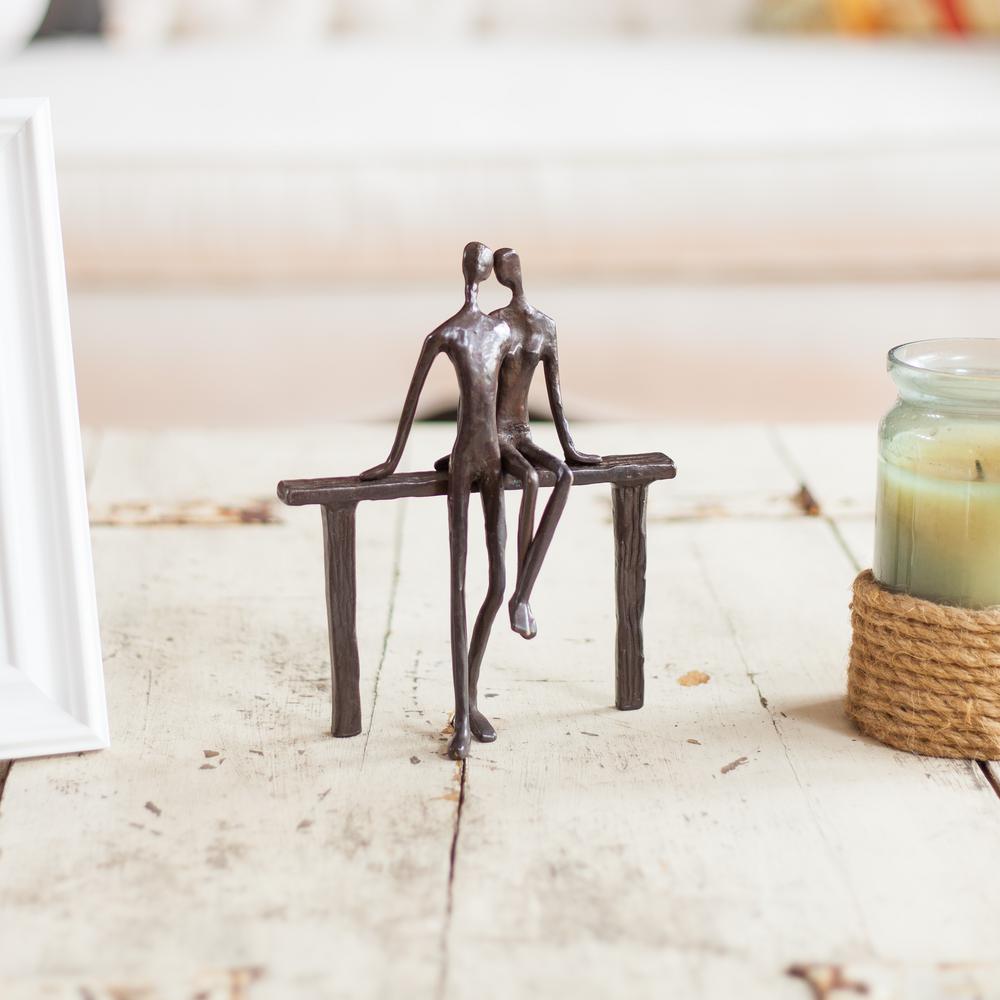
<point>980,476</point>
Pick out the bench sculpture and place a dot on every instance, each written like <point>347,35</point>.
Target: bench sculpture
<point>495,357</point>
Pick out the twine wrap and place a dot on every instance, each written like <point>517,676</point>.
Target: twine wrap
<point>924,677</point>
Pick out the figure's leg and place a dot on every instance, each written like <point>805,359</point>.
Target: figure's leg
<point>496,542</point>
<point>519,467</point>
<point>458,537</point>
<point>521,619</point>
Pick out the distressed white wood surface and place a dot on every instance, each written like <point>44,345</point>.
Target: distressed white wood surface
<point>589,852</point>
<point>839,461</point>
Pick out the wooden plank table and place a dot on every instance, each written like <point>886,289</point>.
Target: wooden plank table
<point>734,838</point>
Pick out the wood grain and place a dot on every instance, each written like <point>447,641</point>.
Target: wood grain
<point>270,850</point>
<point>759,829</point>
<point>733,829</point>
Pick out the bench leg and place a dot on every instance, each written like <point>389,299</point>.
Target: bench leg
<point>629,507</point>
<point>341,610</point>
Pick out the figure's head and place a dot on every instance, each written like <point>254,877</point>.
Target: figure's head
<point>477,263</point>
<point>507,265</point>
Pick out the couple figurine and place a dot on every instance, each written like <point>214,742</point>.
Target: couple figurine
<point>494,357</point>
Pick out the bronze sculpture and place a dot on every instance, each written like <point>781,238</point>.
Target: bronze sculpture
<point>494,358</point>
<point>534,341</point>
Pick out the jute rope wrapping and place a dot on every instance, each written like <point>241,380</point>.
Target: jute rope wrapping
<point>924,677</point>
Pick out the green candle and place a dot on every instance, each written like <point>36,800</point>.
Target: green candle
<point>938,510</point>
<point>938,516</point>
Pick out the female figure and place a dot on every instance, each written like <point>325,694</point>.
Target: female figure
<point>534,341</point>
<point>476,345</point>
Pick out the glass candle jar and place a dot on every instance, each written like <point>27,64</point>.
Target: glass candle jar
<point>937,521</point>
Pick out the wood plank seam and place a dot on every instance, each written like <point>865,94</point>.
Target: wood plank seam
<point>397,555</point>
<point>450,904</point>
<point>788,460</point>
<point>5,766</point>
<point>991,776</point>
<point>835,858</point>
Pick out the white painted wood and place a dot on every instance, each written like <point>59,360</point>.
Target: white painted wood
<point>599,854</point>
<point>280,850</point>
<point>839,463</point>
<point>51,687</point>
<point>625,856</point>
<point>724,472</point>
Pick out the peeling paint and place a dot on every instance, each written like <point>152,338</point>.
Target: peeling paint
<point>210,984</point>
<point>693,678</point>
<point>806,502</point>
<point>824,979</point>
<point>733,764</point>
<point>184,513</point>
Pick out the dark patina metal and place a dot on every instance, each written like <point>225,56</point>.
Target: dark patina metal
<point>534,341</point>
<point>495,357</point>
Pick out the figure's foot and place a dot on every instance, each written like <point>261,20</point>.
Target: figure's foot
<point>458,748</point>
<point>481,727</point>
<point>522,621</point>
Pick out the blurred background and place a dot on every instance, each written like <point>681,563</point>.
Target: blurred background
<point>732,208</point>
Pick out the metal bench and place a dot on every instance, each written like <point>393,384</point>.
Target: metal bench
<point>629,476</point>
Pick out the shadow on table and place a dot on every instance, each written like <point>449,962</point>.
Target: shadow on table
<point>829,713</point>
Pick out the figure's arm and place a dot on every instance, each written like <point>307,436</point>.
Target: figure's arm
<point>431,348</point>
<point>551,364</point>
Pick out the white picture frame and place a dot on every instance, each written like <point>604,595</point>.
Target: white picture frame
<point>51,676</point>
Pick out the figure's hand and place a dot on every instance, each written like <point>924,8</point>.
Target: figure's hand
<point>379,471</point>
<point>441,465</point>
<point>581,457</point>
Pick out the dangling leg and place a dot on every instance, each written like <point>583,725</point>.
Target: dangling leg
<point>496,541</point>
<point>520,609</point>
<point>458,537</point>
<point>518,466</point>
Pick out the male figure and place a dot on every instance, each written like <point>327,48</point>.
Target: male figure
<point>534,341</point>
<point>476,345</point>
